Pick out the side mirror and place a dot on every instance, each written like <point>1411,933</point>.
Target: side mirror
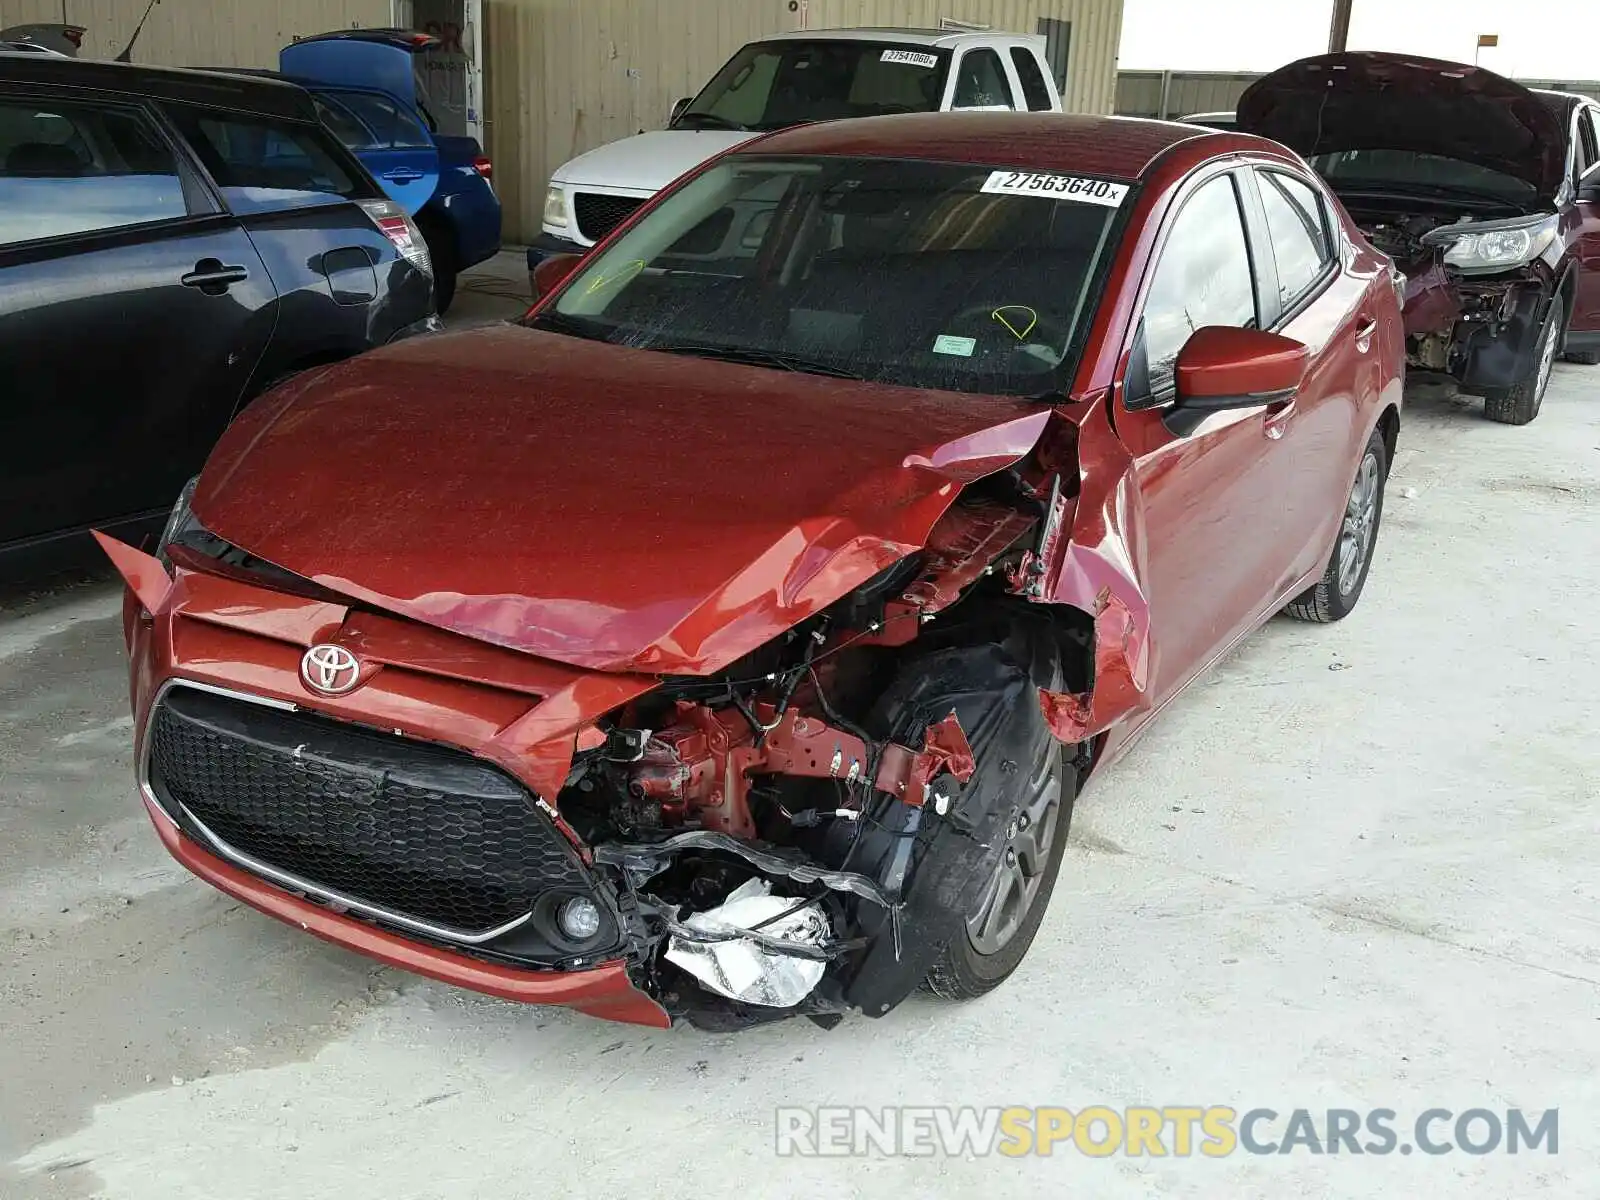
<point>1222,367</point>
<point>678,109</point>
<point>551,273</point>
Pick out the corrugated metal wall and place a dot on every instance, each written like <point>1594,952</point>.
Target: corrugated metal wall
<point>564,76</point>
<point>198,33</point>
<point>1140,93</point>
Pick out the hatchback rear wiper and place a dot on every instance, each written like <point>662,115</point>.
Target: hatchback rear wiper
<point>756,358</point>
<point>711,120</point>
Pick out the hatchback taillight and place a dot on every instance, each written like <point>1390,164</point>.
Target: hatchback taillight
<point>483,166</point>
<point>400,229</point>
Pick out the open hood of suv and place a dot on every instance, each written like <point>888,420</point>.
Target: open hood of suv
<point>1370,101</point>
<point>610,508</point>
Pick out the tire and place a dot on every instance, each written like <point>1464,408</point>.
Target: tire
<point>1520,404</point>
<point>1586,358</point>
<point>1335,595</point>
<point>975,961</point>
<point>442,250</point>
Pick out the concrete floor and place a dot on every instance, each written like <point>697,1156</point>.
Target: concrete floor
<point>1356,868</point>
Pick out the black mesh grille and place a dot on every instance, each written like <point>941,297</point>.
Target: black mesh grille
<point>598,214</point>
<point>422,831</point>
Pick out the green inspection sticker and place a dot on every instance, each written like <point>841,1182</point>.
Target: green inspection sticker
<point>949,344</point>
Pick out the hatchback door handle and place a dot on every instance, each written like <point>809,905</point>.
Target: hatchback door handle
<point>213,277</point>
<point>402,175</point>
<point>1364,332</point>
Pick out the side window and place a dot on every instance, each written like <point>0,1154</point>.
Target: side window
<point>392,127</point>
<point>1033,85</point>
<point>1588,139</point>
<point>1298,230</point>
<point>981,81</point>
<point>1203,278</point>
<point>73,168</point>
<point>262,164</point>
<point>343,124</point>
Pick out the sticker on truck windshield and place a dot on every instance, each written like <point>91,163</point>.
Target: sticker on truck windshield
<point>914,58</point>
<point>1057,187</point>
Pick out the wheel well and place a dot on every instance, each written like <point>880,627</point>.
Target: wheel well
<point>434,224</point>
<point>1567,291</point>
<point>1389,427</point>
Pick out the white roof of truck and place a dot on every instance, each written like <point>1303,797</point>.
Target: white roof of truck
<point>948,39</point>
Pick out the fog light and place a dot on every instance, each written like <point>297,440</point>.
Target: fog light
<point>579,918</point>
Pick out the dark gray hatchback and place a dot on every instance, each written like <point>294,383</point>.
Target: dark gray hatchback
<point>172,243</point>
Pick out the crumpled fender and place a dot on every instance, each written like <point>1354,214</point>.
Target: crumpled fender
<point>1098,569</point>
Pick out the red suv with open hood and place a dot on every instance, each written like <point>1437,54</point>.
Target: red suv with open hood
<point>730,638</point>
<point>1485,194</point>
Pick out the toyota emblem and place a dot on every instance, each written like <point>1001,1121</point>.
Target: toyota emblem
<point>331,670</point>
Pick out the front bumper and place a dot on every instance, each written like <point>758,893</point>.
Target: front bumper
<point>176,646</point>
<point>603,991</point>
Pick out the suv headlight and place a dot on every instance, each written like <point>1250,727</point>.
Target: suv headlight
<point>1480,247</point>
<point>182,517</point>
<point>555,206</point>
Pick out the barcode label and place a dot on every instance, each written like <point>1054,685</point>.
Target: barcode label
<point>912,57</point>
<point>1057,187</point>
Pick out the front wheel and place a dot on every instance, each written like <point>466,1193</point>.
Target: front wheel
<point>1334,596</point>
<point>1002,925</point>
<point>1520,404</point>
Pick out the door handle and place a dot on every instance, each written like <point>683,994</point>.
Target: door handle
<point>1364,331</point>
<point>1279,414</point>
<point>402,175</point>
<point>213,277</point>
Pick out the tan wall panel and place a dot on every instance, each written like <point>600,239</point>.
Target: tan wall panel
<point>198,33</point>
<point>29,12</point>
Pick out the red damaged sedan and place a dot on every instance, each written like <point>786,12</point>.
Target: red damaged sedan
<point>729,639</point>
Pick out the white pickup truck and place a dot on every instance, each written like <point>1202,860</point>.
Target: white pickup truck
<point>790,79</point>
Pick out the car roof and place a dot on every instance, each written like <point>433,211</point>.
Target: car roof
<point>10,47</point>
<point>943,38</point>
<point>245,93</point>
<point>1118,147</point>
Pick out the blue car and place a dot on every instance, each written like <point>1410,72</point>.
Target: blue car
<point>364,84</point>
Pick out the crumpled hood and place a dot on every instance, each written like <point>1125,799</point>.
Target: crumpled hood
<point>647,162</point>
<point>609,508</point>
<point>1370,101</point>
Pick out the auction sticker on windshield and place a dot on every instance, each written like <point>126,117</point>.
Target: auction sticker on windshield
<point>1057,187</point>
<point>913,57</point>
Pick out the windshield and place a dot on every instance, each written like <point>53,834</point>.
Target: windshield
<point>771,85</point>
<point>937,275</point>
<point>1412,171</point>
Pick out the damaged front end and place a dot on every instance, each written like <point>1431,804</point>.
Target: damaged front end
<point>1476,293</point>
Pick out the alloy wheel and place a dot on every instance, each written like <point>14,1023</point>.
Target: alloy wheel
<point>1360,522</point>
<point>1030,836</point>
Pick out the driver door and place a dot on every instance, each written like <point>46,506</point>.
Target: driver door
<point>1213,528</point>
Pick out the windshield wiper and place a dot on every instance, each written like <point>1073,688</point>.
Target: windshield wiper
<point>582,327</point>
<point>711,120</point>
<point>756,358</point>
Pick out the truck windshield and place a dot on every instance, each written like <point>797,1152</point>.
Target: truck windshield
<point>771,85</point>
<point>952,276</point>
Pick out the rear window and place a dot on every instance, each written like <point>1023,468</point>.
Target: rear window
<point>72,168</point>
<point>392,127</point>
<point>263,165</point>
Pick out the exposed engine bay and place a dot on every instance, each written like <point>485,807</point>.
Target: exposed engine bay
<point>770,831</point>
<point>1452,318</point>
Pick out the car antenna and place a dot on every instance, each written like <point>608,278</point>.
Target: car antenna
<point>127,51</point>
